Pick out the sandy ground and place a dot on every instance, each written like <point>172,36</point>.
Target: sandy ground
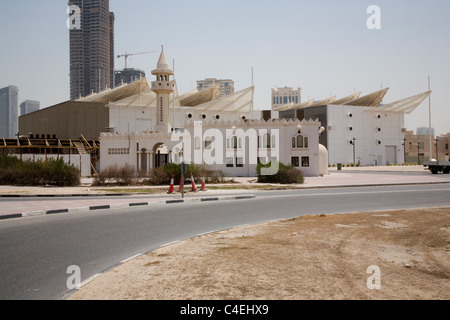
<point>312,257</point>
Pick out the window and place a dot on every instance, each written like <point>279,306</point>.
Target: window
<point>208,142</point>
<point>197,143</point>
<point>300,142</point>
<point>295,162</point>
<point>118,151</point>
<point>234,141</point>
<point>264,143</point>
<point>230,163</point>
<point>305,161</point>
<point>239,162</point>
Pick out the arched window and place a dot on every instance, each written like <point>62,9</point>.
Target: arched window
<point>197,143</point>
<point>266,140</point>
<point>300,142</point>
<point>208,141</point>
<point>234,142</point>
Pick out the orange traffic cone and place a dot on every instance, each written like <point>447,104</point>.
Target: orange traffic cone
<point>171,188</point>
<point>181,185</point>
<point>203,188</point>
<point>194,188</point>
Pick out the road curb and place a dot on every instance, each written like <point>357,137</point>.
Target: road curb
<point>123,205</point>
<point>79,195</point>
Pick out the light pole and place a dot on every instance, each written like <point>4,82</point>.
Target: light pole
<point>418,152</point>
<point>437,150</point>
<point>404,150</point>
<point>354,153</point>
<point>183,168</point>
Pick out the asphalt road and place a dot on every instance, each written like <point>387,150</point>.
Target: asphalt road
<point>35,252</point>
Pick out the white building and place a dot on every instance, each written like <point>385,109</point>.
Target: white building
<point>361,129</point>
<point>207,129</point>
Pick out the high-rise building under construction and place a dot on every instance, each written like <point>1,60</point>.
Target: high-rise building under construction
<point>91,49</point>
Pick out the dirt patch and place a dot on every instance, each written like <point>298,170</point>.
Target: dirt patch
<point>311,257</point>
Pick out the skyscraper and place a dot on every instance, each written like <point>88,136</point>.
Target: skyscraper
<point>92,49</point>
<point>9,112</point>
<point>29,106</point>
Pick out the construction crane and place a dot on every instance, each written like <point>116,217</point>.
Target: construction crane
<point>126,55</point>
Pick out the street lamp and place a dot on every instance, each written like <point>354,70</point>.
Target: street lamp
<point>418,152</point>
<point>352,141</point>
<point>183,169</point>
<point>437,151</point>
<point>404,150</point>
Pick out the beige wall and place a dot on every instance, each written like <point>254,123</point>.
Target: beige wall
<point>67,120</point>
<point>411,146</point>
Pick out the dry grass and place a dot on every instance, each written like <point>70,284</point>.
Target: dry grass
<point>311,257</point>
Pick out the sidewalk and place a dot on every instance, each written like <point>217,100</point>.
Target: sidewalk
<point>28,201</point>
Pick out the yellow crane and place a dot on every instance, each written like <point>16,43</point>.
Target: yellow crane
<point>126,55</point>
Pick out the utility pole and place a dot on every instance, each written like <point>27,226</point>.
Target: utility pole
<point>418,153</point>
<point>404,150</point>
<point>429,115</point>
<point>354,153</point>
<point>437,150</point>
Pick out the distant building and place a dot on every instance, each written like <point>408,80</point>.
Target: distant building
<point>9,112</point>
<point>284,96</point>
<point>92,49</point>
<point>424,131</point>
<point>29,106</point>
<point>417,147</point>
<point>226,85</point>
<point>127,76</point>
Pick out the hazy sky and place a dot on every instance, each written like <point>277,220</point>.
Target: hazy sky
<point>322,46</point>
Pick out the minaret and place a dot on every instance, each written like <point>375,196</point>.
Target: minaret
<point>163,87</point>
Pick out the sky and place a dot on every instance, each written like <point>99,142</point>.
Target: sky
<point>321,46</point>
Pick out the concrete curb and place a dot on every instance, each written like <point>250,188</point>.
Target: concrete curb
<point>123,205</point>
<point>68,195</point>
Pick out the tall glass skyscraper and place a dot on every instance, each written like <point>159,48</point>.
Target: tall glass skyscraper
<point>91,48</point>
<point>9,112</point>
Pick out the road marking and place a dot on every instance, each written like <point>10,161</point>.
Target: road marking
<point>85,282</point>
<point>131,258</point>
<point>170,243</point>
<point>353,193</point>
